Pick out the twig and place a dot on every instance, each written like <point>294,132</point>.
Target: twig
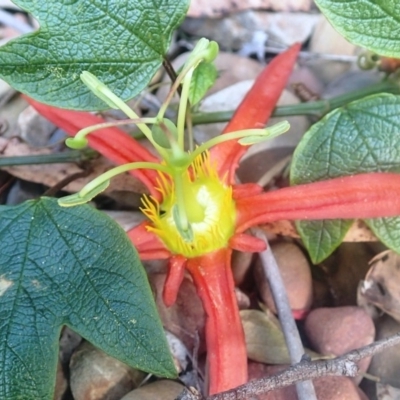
<point>169,68</point>
<point>307,55</point>
<point>305,390</point>
<point>64,182</point>
<point>72,156</point>
<point>313,108</point>
<point>345,365</point>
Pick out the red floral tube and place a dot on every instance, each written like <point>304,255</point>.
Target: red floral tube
<point>226,349</point>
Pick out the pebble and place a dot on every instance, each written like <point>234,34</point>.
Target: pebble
<point>237,30</point>
<point>97,376</point>
<point>218,8</point>
<point>335,331</point>
<point>165,390</point>
<point>35,129</point>
<point>296,274</point>
<point>61,383</point>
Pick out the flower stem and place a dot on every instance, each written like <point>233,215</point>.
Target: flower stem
<point>226,349</point>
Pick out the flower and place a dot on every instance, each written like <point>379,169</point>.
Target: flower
<point>197,214</point>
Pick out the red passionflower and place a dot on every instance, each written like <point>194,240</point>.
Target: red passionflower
<point>220,212</point>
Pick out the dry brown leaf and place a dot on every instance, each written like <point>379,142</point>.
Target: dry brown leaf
<point>51,174</point>
<point>358,232</point>
<point>218,8</point>
<point>382,283</point>
<point>264,337</point>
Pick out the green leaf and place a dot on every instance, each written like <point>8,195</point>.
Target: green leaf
<point>363,136</point>
<point>322,237</point>
<point>204,77</point>
<point>121,42</point>
<point>75,267</point>
<point>374,24</point>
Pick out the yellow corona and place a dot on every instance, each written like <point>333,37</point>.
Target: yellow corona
<point>209,208</point>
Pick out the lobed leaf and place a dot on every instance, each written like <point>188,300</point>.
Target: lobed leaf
<point>76,267</point>
<point>122,42</point>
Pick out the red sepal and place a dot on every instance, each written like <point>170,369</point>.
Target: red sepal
<point>112,143</point>
<point>255,109</point>
<point>247,243</point>
<point>371,195</point>
<point>175,275</point>
<point>148,245</point>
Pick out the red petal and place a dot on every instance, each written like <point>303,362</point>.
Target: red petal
<point>255,109</point>
<point>112,143</point>
<point>176,273</point>
<point>371,195</point>
<point>248,243</point>
<point>226,349</point>
<point>148,245</point>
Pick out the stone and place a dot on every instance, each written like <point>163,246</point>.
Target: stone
<point>61,383</point>
<point>296,274</point>
<point>337,388</point>
<point>35,129</point>
<point>163,389</point>
<point>96,376</point>
<point>237,30</point>
<point>335,331</point>
<point>218,8</point>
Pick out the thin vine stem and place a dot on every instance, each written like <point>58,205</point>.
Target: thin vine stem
<point>313,108</point>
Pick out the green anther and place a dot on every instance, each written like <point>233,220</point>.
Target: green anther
<point>99,184</point>
<point>76,143</point>
<point>80,141</point>
<point>79,198</point>
<point>269,133</point>
<point>253,136</point>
